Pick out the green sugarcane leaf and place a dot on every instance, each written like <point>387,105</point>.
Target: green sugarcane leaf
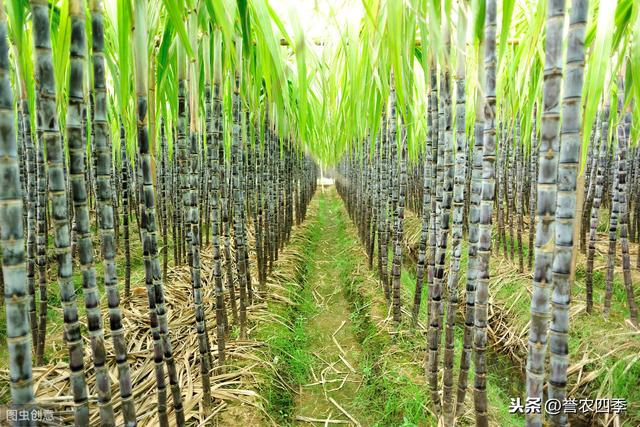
<point>479,11</point>
<point>60,44</point>
<point>276,20</point>
<point>175,14</point>
<point>507,15</point>
<point>16,11</point>
<point>162,56</point>
<point>245,24</point>
<point>219,13</point>
<point>596,68</point>
<point>623,19</point>
<point>123,29</point>
<point>302,90</point>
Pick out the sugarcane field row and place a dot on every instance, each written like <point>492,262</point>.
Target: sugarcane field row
<point>338,212</point>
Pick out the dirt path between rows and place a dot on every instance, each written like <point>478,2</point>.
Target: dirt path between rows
<point>335,377</point>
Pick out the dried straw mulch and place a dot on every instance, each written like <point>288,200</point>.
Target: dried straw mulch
<point>233,388</point>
